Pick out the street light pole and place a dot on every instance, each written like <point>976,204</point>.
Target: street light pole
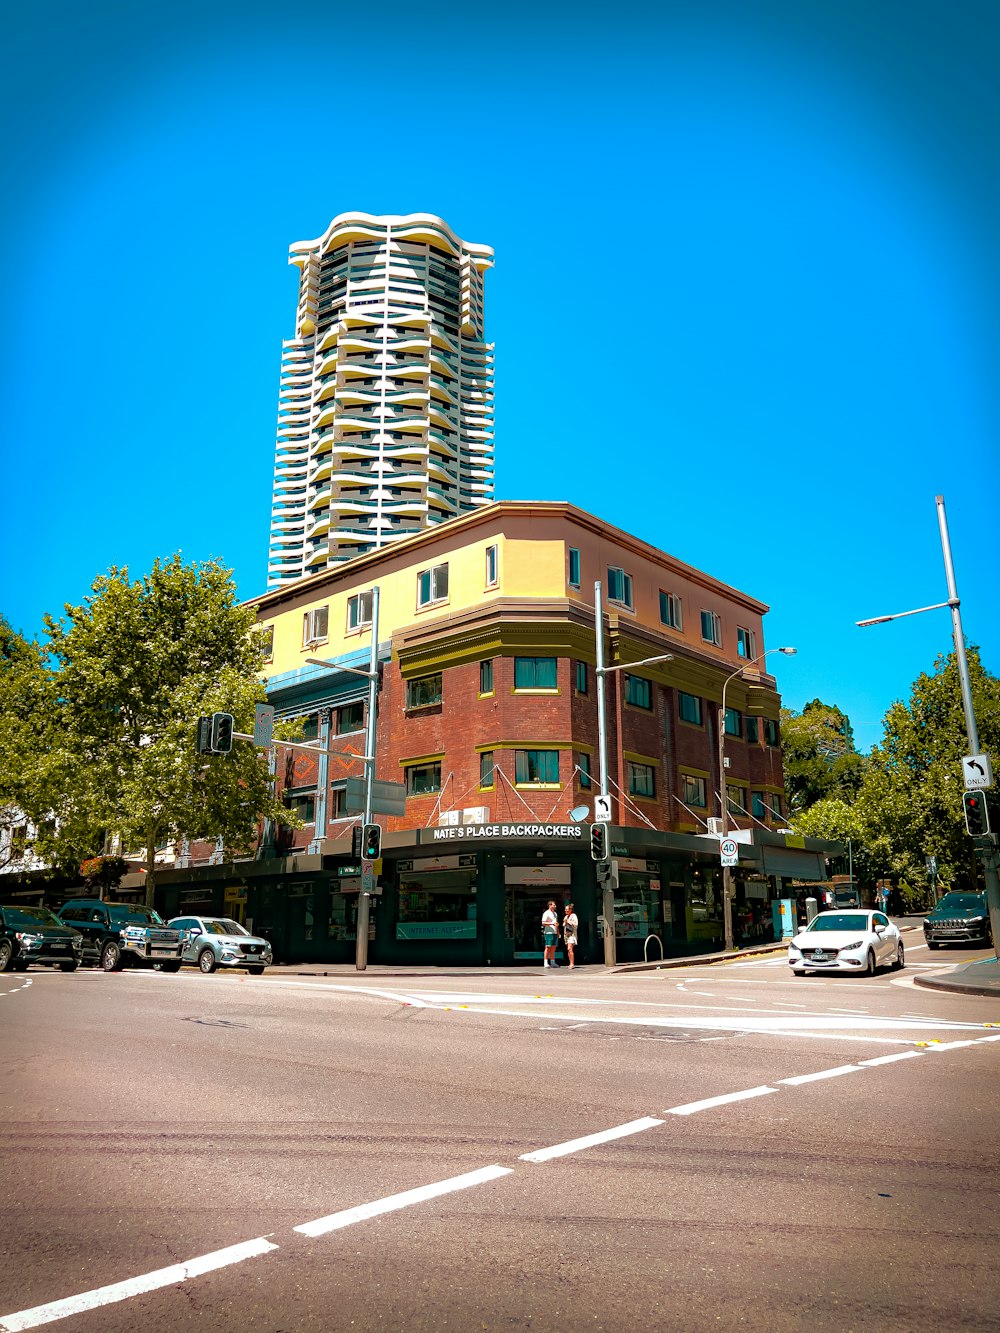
<point>371,675</point>
<point>988,854</point>
<point>600,671</point>
<point>727,873</point>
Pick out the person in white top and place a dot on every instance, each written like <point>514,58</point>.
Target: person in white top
<point>550,935</point>
<point>570,925</point>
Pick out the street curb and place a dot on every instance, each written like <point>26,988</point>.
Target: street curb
<point>957,987</point>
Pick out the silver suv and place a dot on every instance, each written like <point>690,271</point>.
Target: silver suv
<point>211,942</point>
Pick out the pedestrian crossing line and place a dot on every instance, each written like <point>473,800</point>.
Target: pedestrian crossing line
<point>590,1140</point>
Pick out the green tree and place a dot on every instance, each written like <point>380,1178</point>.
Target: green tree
<point>818,755</point>
<point>27,774</point>
<point>138,663</point>
<point>909,803</point>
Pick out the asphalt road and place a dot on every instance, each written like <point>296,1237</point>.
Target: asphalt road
<point>713,1148</point>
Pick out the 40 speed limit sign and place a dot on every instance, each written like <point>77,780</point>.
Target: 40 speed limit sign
<point>729,851</point>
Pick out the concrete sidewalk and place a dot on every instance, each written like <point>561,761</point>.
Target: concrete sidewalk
<point>979,978</point>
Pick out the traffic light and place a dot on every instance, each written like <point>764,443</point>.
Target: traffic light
<point>977,813</point>
<point>204,735</point>
<point>371,842</point>
<point>599,842</point>
<point>222,733</point>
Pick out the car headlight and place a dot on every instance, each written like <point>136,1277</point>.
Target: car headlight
<point>28,940</point>
<point>855,944</point>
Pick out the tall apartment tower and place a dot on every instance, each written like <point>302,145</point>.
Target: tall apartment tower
<point>385,412</point>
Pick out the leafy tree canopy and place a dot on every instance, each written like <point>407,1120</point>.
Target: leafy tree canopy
<point>818,755</point>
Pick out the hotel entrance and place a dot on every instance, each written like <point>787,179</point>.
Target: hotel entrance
<point>527,892</point>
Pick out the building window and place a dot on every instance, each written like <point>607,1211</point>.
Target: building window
<point>486,769</point>
<point>583,763</point>
<point>535,673</point>
<point>574,567</point>
<point>432,585</point>
<point>689,708</point>
<point>359,610</point>
<point>736,800</point>
<point>301,803</point>
<point>711,627</point>
<point>310,726</point>
<point>581,678</point>
<point>746,643</point>
<point>692,790</point>
<point>492,566</point>
<point>753,736</point>
<point>638,692</point>
<point>486,676</point>
<point>315,626</point>
<point>267,643</point>
<point>423,691</point>
<point>670,610</point>
<point>641,779</point>
<point>536,767</point>
<point>620,587</point>
<point>423,779</point>
<point>734,722</point>
<point>350,718</point>
<point>758,807</point>
<point>771,731</point>
<point>774,801</point>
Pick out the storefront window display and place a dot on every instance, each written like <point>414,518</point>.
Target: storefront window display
<point>437,899</point>
<point>704,906</point>
<point>638,900</point>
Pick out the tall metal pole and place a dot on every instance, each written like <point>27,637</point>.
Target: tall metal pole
<point>988,855</point>
<point>608,896</point>
<point>364,897</point>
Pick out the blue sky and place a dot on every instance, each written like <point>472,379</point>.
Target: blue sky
<point>746,301</point>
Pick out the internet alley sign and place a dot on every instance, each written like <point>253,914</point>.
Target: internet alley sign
<point>506,832</point>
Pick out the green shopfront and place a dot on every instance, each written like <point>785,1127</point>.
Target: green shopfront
<point>474,895</point>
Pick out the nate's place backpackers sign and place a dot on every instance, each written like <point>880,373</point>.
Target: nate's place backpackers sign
<point>506,832</point>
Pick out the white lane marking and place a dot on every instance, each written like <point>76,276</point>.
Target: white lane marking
<point>135,1286</point>
<point>689,1108</point>
<point>823,1073</point>
<point>950,1045</point>
<point>590,1140</point>
<point>349,1216</point>
<point>891,1059</point>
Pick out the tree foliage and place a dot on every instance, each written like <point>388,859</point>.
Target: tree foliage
<point>909,804</point>
<point>818,754</point>
<point>134,667</point>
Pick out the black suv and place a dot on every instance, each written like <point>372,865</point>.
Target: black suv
<point>34,935</point>
<point>117,935</point>
<point>958,917</point>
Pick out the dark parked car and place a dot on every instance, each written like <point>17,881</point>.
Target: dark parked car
<point>35,935</point>
<point>958,917</point>
<point>117,935</point>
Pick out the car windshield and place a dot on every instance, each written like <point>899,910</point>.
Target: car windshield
<point>30,917</point>
<point>840,921</point>
<point>222,926</point>
<point>143,916</point>
<point>962,902</point>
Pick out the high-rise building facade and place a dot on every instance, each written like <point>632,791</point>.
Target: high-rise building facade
<point>385,416</point>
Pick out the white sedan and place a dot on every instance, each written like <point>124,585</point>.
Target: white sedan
<point>846,942</point>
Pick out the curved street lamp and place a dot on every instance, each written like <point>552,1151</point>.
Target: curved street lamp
<point>727,874</point>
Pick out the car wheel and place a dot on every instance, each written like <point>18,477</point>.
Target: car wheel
<point>6,955</point>
<point>256,971</point>
<point>870,964</point>
<point>69,967</point>
<point>173,966</point>
<point>207,961</point>
<point>111,957</point>
<point>900,962</point>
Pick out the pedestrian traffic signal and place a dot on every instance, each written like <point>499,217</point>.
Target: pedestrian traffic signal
<point>599,842</point>
<point>222,733</point>
<point>977,813</point>
<point>371,842</point>
<point>357,842</point>
<point>204,735</point>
